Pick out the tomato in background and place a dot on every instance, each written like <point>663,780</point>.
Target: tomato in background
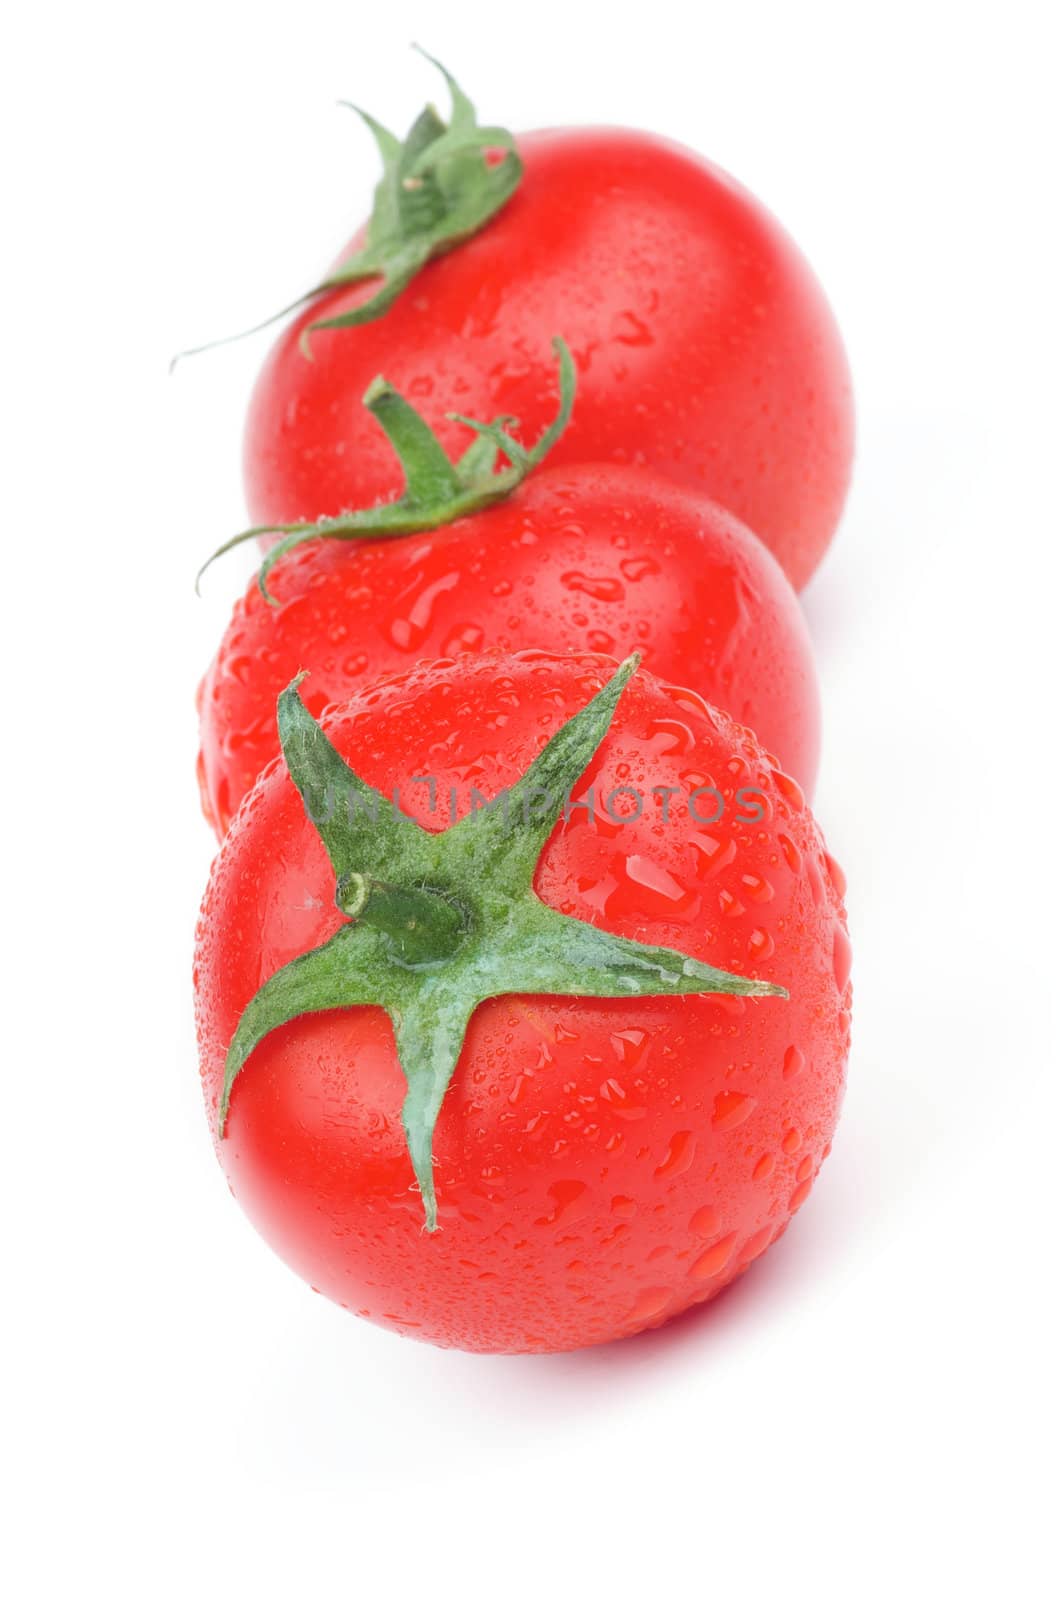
<point>608,559</point>
<point>705,347</point>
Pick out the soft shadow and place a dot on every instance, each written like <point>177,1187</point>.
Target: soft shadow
<point>833,605</point>
<point>816,1251</point>
<point>410,1398</point>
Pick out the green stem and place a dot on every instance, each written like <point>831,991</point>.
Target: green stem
<point>439,187</point>
<point>424,927</point>
<point>437,491</point>
<point>430,477</point>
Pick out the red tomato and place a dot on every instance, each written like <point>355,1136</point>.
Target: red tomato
<point>600,558</point>
<point>704,345</point>
<point>600,1164</point>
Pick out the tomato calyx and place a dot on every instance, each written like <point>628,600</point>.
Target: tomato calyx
<point>438,188</point>
<point>437,491</point>
<point>440,922</point>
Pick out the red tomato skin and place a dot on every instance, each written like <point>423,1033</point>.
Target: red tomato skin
<point>601,1165</point>
<point>704,345</point>
<point>607,559</point>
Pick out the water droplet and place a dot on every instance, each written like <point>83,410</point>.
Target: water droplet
<point>671,737</point>
<point>794,1061</point>
<point>704,1222</point>
<point>636,567</point>
<point>649,875</point>
<point>731,1108</point>
<point>629,1045</point>
<point>564,1196</point>
<point>598,588</point>
<point>713,1261</point>
<point>679,1156</point>
<point>464,639</point>
<point>408,632</point>
<point>756,1244</point>
<point>712,855</point>
<point>650,1303</point>
<point>842,956</point>
<point>837,875</point>
<point>619,1101</point>
<point>756,888</point>
<point>792,853</point>
<point>790,790</point>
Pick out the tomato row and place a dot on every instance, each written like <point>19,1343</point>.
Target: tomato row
<point>546,1063</point>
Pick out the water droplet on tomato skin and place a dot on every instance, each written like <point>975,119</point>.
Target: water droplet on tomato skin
<point>621,1104</point>
<point>730,1109</point>
<point>669,737</point>
<point>634,568</point>
<point>836,874</point>
<point>597,588</point>
<point>408,630</point>
<point>756,1244</point>
<point>715,1260</point>
<point>564,1196</point>
<point>790,790</point>
<point>842,958</point>
<point>794,1061</point>
<point>704,1222</point>
<point>757,888</point>
<point>464,639</point>
<point>679,1157</point>
<point>654,879</point>
<point>712,854</point>
<point>791,853</point>
<point>630,1045</point>
<point>650,1303</point>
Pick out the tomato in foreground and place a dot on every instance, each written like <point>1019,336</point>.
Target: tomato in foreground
<point>595,1158</point>
<point>704,344</point>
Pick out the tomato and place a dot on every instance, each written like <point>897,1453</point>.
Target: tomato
<point>599,1164</point>
<point>704,344</point>
<point>602,558</point>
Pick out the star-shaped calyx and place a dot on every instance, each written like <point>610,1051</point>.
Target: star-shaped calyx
<point>440,922</point>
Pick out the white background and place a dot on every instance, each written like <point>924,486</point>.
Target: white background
<point>873,1407</point>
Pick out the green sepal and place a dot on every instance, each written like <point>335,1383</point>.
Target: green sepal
<point>437,189</point>
<point>443,921</point>
<point>437,491</point>
<point>348,970</point>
